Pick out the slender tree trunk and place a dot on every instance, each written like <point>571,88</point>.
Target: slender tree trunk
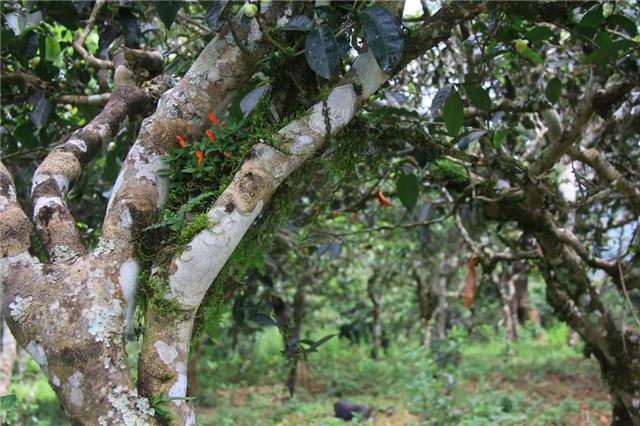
<point>427,304</point>
<point>443,304</point>
<point>376,328</point>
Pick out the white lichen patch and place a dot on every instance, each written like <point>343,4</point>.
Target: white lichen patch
<point>369,74</point>
<point>341,106</point>
<point>37,352</point>
<point>166,352</point>
<point>62,252</point>
<point>128,280</point>
<point>43,202</point>
<point>179,388</point>
<point>62,182</point>
<point>125,218</point>
<point>38,179</point>
<point>130,409</point>
<point>76,397</point>
<point>104,247</point>
<point>104,322</point>
<point>78,143</point>
<point>19,309</point>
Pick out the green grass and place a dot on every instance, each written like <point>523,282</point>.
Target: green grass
<point>538,380</point>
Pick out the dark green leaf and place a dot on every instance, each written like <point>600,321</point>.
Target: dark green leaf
<point>25,134</point>
<point>453,114</point>
<point>321,51</point>
<point>299,23</point>
<point>408,189</point>
<point>592,19</point>
<point>383,35</point>
<point>130,27</point>
<point>538,34</point>
<point>498,137</point>
<point>441,96</point>
<point>624,23</point>
<point>167,11</point>
<point>7,402</point>
<point>213,14</point>
<point>466,140</point>
<point>41,111</point>
<point>111,166</point>
<point>334,250</point>
<point>552,92</point>
<point>320,342</point>
<point>478,96</point>
<point>328,16</point>
<point>264,319</point>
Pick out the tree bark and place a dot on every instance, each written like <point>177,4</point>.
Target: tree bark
<point>376,326</point>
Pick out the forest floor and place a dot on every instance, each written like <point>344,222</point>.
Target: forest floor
<point>537,381</point>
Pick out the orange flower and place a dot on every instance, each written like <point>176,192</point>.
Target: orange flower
<point>213,118</point>
<point>209,134</point>
<point>200,156</point>
<point>181,141</point>
<point>222,123</point>
<point>227,154</point>
<point>384,201</point>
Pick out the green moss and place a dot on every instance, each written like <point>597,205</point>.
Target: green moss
<point>450,170</point>
<point>199,223</point>
<point>152,294</point>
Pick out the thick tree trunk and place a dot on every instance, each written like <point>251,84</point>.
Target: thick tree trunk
<point>8,352</point>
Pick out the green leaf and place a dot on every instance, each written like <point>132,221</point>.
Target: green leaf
<point>624,23</point>
<point>321,51</point>
<point>298,23</point>
<point>539,34</point>
<point>315,345</point>
<point>167,11</point>
<point>453,113</point>
<point>383,35</point>
<point>466,140</point>
<point>591,21</point>
<point>7,402</point>
<point>499,136</point>
<point>532,54</point>
<point>441,96</point>
<point>408,189</point>
<point>213,14</point>
<point>478,96</point>
<point>52,50</point>
<point>552,92</point>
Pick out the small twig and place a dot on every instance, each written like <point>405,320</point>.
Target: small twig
<point>238,42</point>
<point>271,40</point>
<point>100,99</point>
<point>388,227</point>
<point>79,43</point>
<point>626,295</point>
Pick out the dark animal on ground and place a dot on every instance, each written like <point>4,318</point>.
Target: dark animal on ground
<point>345,410</point>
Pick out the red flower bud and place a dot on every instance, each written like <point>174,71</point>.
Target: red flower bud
<point>213,118</point>
<point>181,141</point>
<point>209,134</point>
<point>200,156</point>
<point>384,201</point>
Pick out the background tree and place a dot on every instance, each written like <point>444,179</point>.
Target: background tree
<point>280,109</point>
